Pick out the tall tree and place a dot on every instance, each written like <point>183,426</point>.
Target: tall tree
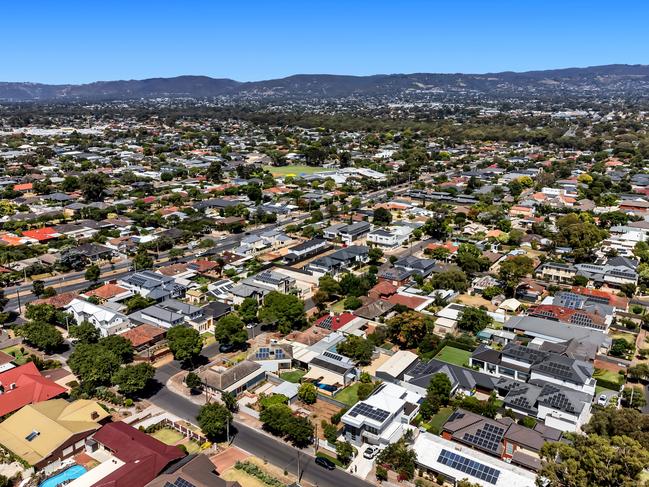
<point>185,343</point>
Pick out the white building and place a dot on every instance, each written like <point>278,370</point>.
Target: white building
<point>103,318</point>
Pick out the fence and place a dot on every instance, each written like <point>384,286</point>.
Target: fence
<point>184,430</point>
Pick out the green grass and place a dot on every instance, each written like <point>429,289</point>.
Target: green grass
<point>21,358</point>
<point>333,459</point>
<point>167,436</point>
<point>436,422</point>
<point>608,375</point>
<point>338,307</point>
<point>625,336</point>
<point>294,170</point>
<point>192,447</point>
<point>453,355</point>
<point>599,390</point>
<point>349,395</point>
<point>293,376</point>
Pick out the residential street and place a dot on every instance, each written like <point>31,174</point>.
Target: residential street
<point>255,442</point>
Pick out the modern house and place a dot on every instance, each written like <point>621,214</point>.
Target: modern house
<point>220,377</point>
<point>382,418</point>
<point>339,261</point>
<point>391,237</point>
<point>153,285</point>
<point>306,250</point>
<point>347,233</point>
<point>332,369</point>
<point>415,265</point>
<point>105,319</point>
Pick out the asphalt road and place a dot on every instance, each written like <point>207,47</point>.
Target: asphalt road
<point>249,439</point>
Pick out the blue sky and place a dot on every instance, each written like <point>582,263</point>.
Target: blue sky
<point>59,41</point>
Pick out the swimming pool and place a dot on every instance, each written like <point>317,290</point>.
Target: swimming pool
<point>74,472</point>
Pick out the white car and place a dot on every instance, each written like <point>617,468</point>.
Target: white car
<point>371,452</point>
<point>602,400</point>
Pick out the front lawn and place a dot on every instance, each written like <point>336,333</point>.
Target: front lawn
<point>349,395</point>
<point>168,436</point>
<point>455,356</point>
<point>293,376</point>
<point>333,458</point>
<point>20,357</point>
<point>608,375</point>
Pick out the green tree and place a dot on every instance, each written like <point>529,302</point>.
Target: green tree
<point>119,346</point>
<point>470,259</point>
<point>215,172</point>
<point>38,287</point>
<point>248,310</point>
<point>365,390</point>
<point>451,279</point>
<point>400,458</point>
<point>474,319</point>
<point>329,285</point>
<point>42,335</point>
<point>512,270</point>
<point>593,460</point>
<point>93,364</point>
<point>352,302</point>
<point>230,401</point>
<point>438,394</point>
<point>230,330</point>
<point>142,260</point>
<point>307,393</point>
<point>92,273</point>
<point>137,303</point>
<point>382,216</point>
<point>344,452</point>
<point>408,329</point>
<point>193,381</point>
<point>93,186</point>
<point>375,255</point>
<point>85,332</point>
<point>285,311</point>
<point>357,348</point>
<point>185,343</point>
<point>132,379</point>
<point>214,418</point>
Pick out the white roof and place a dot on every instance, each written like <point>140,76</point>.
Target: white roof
<point>429,447</point>
<point>98,312</point>
<point>397,363</point>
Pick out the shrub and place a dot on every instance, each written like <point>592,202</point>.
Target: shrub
<point>381,473</point>
<point>255,471</point>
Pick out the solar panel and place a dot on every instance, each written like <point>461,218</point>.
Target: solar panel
<point>333,356</point>
<point>369,412</point>
<point>181,482</point>
<point>470,467</point>
<point>326,323</point>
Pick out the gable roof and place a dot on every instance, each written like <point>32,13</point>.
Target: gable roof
<point>144,457</point>
<point>30,387</point>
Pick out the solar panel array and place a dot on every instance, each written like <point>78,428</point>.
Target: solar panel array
<point>369,412</point>
<point>470,467</point>
<point>180,482</point>
<point>557,370</point>
<point>326,323</point>
<point>333,356</point>
<point>488,437</point>
<point>263,353</point>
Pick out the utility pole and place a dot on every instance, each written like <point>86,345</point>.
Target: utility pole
<point>20,310</point>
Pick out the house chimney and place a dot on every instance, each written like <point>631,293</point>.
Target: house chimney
<point>12,386</point>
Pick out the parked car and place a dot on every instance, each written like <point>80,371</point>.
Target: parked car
<point>371,452</point>
<point>227,347</point>
<point>325,462</point>
<point>602,400</point>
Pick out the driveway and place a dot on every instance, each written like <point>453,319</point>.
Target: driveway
<point>361,466</point>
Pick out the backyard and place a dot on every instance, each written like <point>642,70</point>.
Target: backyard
<point>293,376</point>
<point>295,170</point>
<point>434,425</point>
<point>349,395</point>
<point>455,356</point>
<point>21,358</point>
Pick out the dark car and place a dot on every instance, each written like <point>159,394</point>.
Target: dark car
<point>227,347</point>
<point>325,462</point>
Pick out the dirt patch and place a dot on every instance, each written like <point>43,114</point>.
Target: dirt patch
<point>319,411</point>
<point>226,459</point>
<point>475,301</point>
<point>603,364</point>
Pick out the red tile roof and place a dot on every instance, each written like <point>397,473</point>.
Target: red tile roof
<point>30,387</point>
<point>338,321</point>
<point>613,300</point>
<point>107,291</point>
<point>143,334</point>
<point>383,288</point>
<point>23,187</point>
<point>144,456</point>
<point>42,234</point>
<point>411,302</point>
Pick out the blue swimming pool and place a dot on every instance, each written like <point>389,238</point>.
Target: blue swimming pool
<point>74,472</point>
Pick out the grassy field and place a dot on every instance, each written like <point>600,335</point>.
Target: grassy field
<point>192,447</point>
<point>21,358</point>
<point>349,395</point>
<point>168,436</point>
<point>338,307</point>
<point>630,338</point>
<point>453,355</point>
<point>294,170</point>
<point>293,376</point>
<point>436,422</point>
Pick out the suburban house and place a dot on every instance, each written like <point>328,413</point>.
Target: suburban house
<point>173,313</point>
<point>347,233</point>
<point>333,370</point>
<point>50,430</point>
<point>503,438</point>
<point>415,265</point>
<point>153,285</point>
<point>273,357</point>
<point>382,418</point>
<point>106,320</point>
<point>23,385</point>
<point>199,471</point>
<point>305,250</point>
<point>138,457</point>
<point>259,285</point>
<point>220,377</point>
<point>393,369</point>
<point>391,237</point>
<point>339,261</point>
<point>438,457</point>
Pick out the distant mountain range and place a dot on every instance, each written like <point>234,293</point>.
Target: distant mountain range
<point>596,81</point>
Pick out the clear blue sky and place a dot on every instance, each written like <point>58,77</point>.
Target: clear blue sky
<point>59,41</point>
